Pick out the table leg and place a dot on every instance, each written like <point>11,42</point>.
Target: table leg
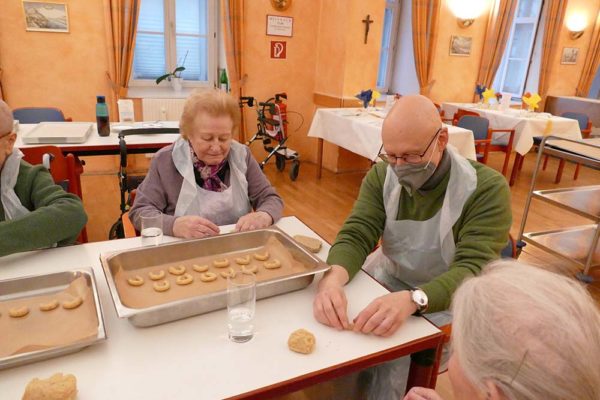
<point>424,367</point>
<point>319,157</point>
<point>515,170</point>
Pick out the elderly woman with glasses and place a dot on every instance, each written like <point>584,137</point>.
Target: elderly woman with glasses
<point>440,219</point>
<point>31,203</point>
<point>206,178</point>
<point>522,333</point>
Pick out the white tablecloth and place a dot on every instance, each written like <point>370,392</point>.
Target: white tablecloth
<point>360,132</point>
<point>526,125</point>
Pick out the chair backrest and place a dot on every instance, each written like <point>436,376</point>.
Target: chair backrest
<point>35,115</point>
<point>478,125</point>
<point>460,113</point>
<point>581,118</point>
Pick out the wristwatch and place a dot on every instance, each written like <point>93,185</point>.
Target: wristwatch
<point>420,299</point>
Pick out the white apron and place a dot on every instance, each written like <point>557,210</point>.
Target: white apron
<point>414,252</point>
<point>221,208</point>
<point>13,209</point>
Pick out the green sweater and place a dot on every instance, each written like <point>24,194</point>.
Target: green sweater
<point>56,216</point>
<point>480,233</point>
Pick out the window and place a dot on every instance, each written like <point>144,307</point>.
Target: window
<point>512,73</point>
<point>388,41</point>
<point>171,31</point>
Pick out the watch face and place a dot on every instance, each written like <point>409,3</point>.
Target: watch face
<point>419,297</point>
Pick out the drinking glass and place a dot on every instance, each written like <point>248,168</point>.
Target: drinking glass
<point>241,303</point>
<point>152,227</point>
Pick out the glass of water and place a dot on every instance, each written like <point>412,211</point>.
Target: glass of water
<point>152,227</point>
<point>241,303</point>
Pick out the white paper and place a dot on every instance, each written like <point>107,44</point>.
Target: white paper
<point>126,111</point>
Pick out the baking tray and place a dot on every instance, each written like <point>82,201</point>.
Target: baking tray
<point>222,245</point>
<point>44,284</point>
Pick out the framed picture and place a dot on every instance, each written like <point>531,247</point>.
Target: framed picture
<point>279,26</point>
<point>569,55</point>
<point>460,45</point>
<point>46,17</point>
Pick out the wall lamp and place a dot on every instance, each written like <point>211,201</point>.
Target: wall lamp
<point>466,11</point>
<point>576,24</point>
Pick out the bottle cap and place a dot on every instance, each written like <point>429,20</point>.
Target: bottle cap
<point>100,99</point>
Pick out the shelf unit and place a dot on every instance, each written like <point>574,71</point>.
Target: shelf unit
<point>580,244</point>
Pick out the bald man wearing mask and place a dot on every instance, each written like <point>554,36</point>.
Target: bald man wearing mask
<point>440,219</point>
<point>35,212</point>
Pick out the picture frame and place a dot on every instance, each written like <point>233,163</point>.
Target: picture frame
<point>46,17</point>
<point>460,45</point>
<point>278,25</point>
<point>569,55</point>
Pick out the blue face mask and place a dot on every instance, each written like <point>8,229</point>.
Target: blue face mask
<point>413,176</point>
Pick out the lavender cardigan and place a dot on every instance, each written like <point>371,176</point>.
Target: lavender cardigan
<point>160,190</point>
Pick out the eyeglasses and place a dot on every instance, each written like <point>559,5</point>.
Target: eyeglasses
<point>407,158</point>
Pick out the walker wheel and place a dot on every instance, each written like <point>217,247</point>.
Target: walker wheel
<point>280,162</point>
<point>294,169</point>
<point>584,278</point>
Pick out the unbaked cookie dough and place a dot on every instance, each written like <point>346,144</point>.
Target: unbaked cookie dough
<point>243,260</point>
<point>161,286</point>
<point>157,275</point>
<point>200,268</point>
<point>58,386</point>
<point>208,276</point>
<point>18,312</point>
<point>229,273</point>
<point>49,306</point>
<point>73,303</point>
<point>221,263</point>
<point>249,269</point>
<point>261,256</point>
<point>179,270</point>
<point>273,264</point>
<point>184,279</point>
<point>136,281</point>
<point>302,341</point>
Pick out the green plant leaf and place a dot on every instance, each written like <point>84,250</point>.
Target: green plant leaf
<point>162,78</point>
<point>178,69</point>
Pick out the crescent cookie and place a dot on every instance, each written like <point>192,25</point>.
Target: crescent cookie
<point>184,279</point>
<point>157,275</point>
<point>273,264</point>
<point>243,260</point>
<point>179,270</point>
<point>200,268</point>
<point>261,256</point>
<point>249,269</point>
<point>221,263</point>
<point>229,273</point>
<point>51,305</point>
<point>136,281</point>
<point>72,304</point>
<point>161,286</point>
<point>208,277</point>
<point>18,312</point>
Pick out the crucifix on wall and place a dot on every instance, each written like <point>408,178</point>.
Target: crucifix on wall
<point>367,21</point>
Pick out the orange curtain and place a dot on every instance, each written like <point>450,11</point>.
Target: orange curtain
<point>121,18</point>
<point>1,94</point>
<point>555,14</point>
<point>425,15</point>
<point>591,64</point>
<point>498,29</point>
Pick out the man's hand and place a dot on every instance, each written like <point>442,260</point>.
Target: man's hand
<point>419,393</point>
<point>193,226</point>
<point>330,304</point>
<point>385,314</point>
<point>253,220</point>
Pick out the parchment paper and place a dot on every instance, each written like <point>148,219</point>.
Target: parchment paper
<point>44,329</point>
<point>145,296</point>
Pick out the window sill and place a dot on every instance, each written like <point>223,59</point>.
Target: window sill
<point>165,92</point>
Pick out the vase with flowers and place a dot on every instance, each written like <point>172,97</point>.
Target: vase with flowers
<point>174,76</point>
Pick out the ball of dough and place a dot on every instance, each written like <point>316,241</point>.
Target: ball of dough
<point>57,387</point>
<point>302,341</point>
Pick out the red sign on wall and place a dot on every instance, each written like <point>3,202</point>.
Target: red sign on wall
<point>278,49</point>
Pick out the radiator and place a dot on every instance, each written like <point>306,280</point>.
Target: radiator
<point>162,109</point>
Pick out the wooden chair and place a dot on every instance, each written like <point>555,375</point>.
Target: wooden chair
<point>35,115</point>
<point>481,132</point>
<point>442,113</point>
<point>65,170</point>
<point>461,113</point>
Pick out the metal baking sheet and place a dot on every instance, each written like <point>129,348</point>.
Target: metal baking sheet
<point>221,245</point>
<point>45,284</point>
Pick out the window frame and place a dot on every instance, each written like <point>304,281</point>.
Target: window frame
<point>169,7</point>
<point>395,6</point>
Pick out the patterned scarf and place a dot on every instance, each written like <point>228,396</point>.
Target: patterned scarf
<point>209,173</point>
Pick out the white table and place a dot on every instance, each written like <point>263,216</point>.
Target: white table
<point>193,358</point>
<point>103,145</point>
<point>360,132</point>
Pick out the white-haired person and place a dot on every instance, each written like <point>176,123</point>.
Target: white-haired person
<point>31,204</point>
<point>520,332</point>
<point>206,179</point>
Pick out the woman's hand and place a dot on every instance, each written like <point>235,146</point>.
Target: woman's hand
<point>193,226</point>
<point>419,393</point>
<point>253,220</point>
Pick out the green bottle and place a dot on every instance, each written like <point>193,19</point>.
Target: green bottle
<point>223,81</point>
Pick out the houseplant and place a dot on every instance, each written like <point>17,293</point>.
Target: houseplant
<point>175,76</point>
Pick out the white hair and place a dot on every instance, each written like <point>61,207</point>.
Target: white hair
<point>532,333</point>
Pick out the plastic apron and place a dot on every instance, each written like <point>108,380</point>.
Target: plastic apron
<point>221,208</point>
<point>413,253</point>
<point>13,209</point>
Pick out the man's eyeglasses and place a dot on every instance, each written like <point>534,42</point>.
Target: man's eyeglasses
<point>407,158</point>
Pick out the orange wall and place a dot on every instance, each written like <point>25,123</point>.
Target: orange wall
<point>65,70</point>
<point>331,49</point>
